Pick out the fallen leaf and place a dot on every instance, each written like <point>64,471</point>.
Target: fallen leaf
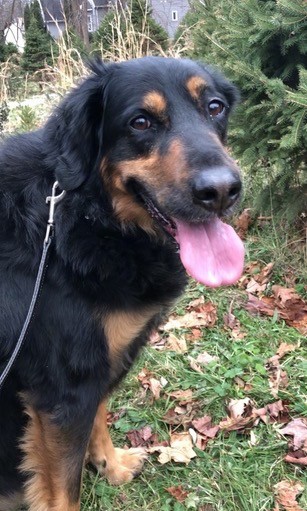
<point>277,412</point>
<point>236,424</point>
<point>140,437</point>
<point>242,223</point>
<point>238,408</point>
<point>204,426</point>
<point>253,439</point>
<point>194,365</point>
<point>247,387</point>
<point>286,493</point>
<point>205,358</point>
<point>112,417</point>
<point>182,415</point>
<point>278,377</point>
<point>155,387</point>
<point>182,395</point>
<point>180,449</point>
<point>285,348</point>
<point>157,342</point>
<point>178,493</point>
<point>297,457</point>
<point>255,288</point>
<point>177,344</point>
<point>255,279</point>
<point>286,296</point>
<point>204,316</point>
<point>194,335</point>
<point>285,302</point>
<point>148,382</point>
<point>298,429</point>
<point>196,303</point>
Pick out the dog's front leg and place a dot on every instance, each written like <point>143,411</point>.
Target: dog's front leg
<point>53,461</point>
<point>119,466</point>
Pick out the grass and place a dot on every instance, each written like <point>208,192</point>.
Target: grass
<point>231,474</point>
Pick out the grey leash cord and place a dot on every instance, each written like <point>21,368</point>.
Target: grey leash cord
<point>53,199</point>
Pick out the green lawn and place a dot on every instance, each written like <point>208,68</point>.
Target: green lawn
<point>232,473</point>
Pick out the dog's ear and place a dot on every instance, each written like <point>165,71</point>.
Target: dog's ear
<point>73,134</point>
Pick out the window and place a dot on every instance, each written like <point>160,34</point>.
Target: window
<point>174,15</point>
<point>90,23</point>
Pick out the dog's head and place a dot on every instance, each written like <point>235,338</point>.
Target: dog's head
<point>154,130</point>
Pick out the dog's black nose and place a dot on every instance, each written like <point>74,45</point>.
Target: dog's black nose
<point>216,189</point>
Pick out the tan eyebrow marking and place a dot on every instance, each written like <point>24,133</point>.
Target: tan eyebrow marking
<point>155,102</point>
<point>196,85</point>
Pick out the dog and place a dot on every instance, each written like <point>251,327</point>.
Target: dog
<point>139,149</point>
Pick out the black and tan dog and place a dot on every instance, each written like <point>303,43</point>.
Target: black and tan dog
<point>139,149</point>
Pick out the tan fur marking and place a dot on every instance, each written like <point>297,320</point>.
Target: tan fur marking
<point>11,503</point>
<point>118,465</point>
<point>196,86</point>
<point>122,327</point>
<point>155,103</point>
<point>155,171</point>
<point>46,462</point>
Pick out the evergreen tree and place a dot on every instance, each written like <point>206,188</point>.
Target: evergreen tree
<point>27,16</point>
<point>35,10</point>
<point>118,25</point>
<point>37,51</point>
<point>262,46</point>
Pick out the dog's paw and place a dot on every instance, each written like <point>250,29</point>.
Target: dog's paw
<point>124,465</point>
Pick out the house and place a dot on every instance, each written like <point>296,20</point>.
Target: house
<point>14,34</point>
<point>52,11</point>
<point>167,13</point>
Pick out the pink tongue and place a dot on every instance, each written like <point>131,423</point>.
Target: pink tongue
<point>212,253</point>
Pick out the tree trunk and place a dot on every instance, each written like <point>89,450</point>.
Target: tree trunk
<point>77,19</point>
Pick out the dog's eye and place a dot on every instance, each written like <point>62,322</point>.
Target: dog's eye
<point>140,123</point>
<point>216,107</point>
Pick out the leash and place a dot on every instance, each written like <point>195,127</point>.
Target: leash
<point>53,200</point>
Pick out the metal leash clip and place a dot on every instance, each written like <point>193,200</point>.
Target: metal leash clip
<point>53,199</point>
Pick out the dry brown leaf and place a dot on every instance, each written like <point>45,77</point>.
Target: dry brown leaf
<point>273,412</point>
<point>178,493</point>
<point>278,378</point>
<point>242,223</point>
<point>204,426</point>
<point>140,437</point>
<point>177,344</point>
<point>205,358</point>
<point>238,408</point>
<point>247,387</point>
<point>180,449</point>
<point>204,315</point>
<point>196,303</point>
<point>255,288</point>
<point>286,296</point>
<point>298,429</point>
<point>157,342</point>
<point>237,424</point>
<point>232,324</point>
<point>297,457</point>
<point>195,334</point>
<point>185,396</point>
<point>194,365</point>
<point>155,387</point>
<point>285,348</point>
<point>286,302</point>
<point>286,493</point>
<point>182,415</point>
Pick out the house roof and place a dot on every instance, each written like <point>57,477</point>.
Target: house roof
<point>53,9</point>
